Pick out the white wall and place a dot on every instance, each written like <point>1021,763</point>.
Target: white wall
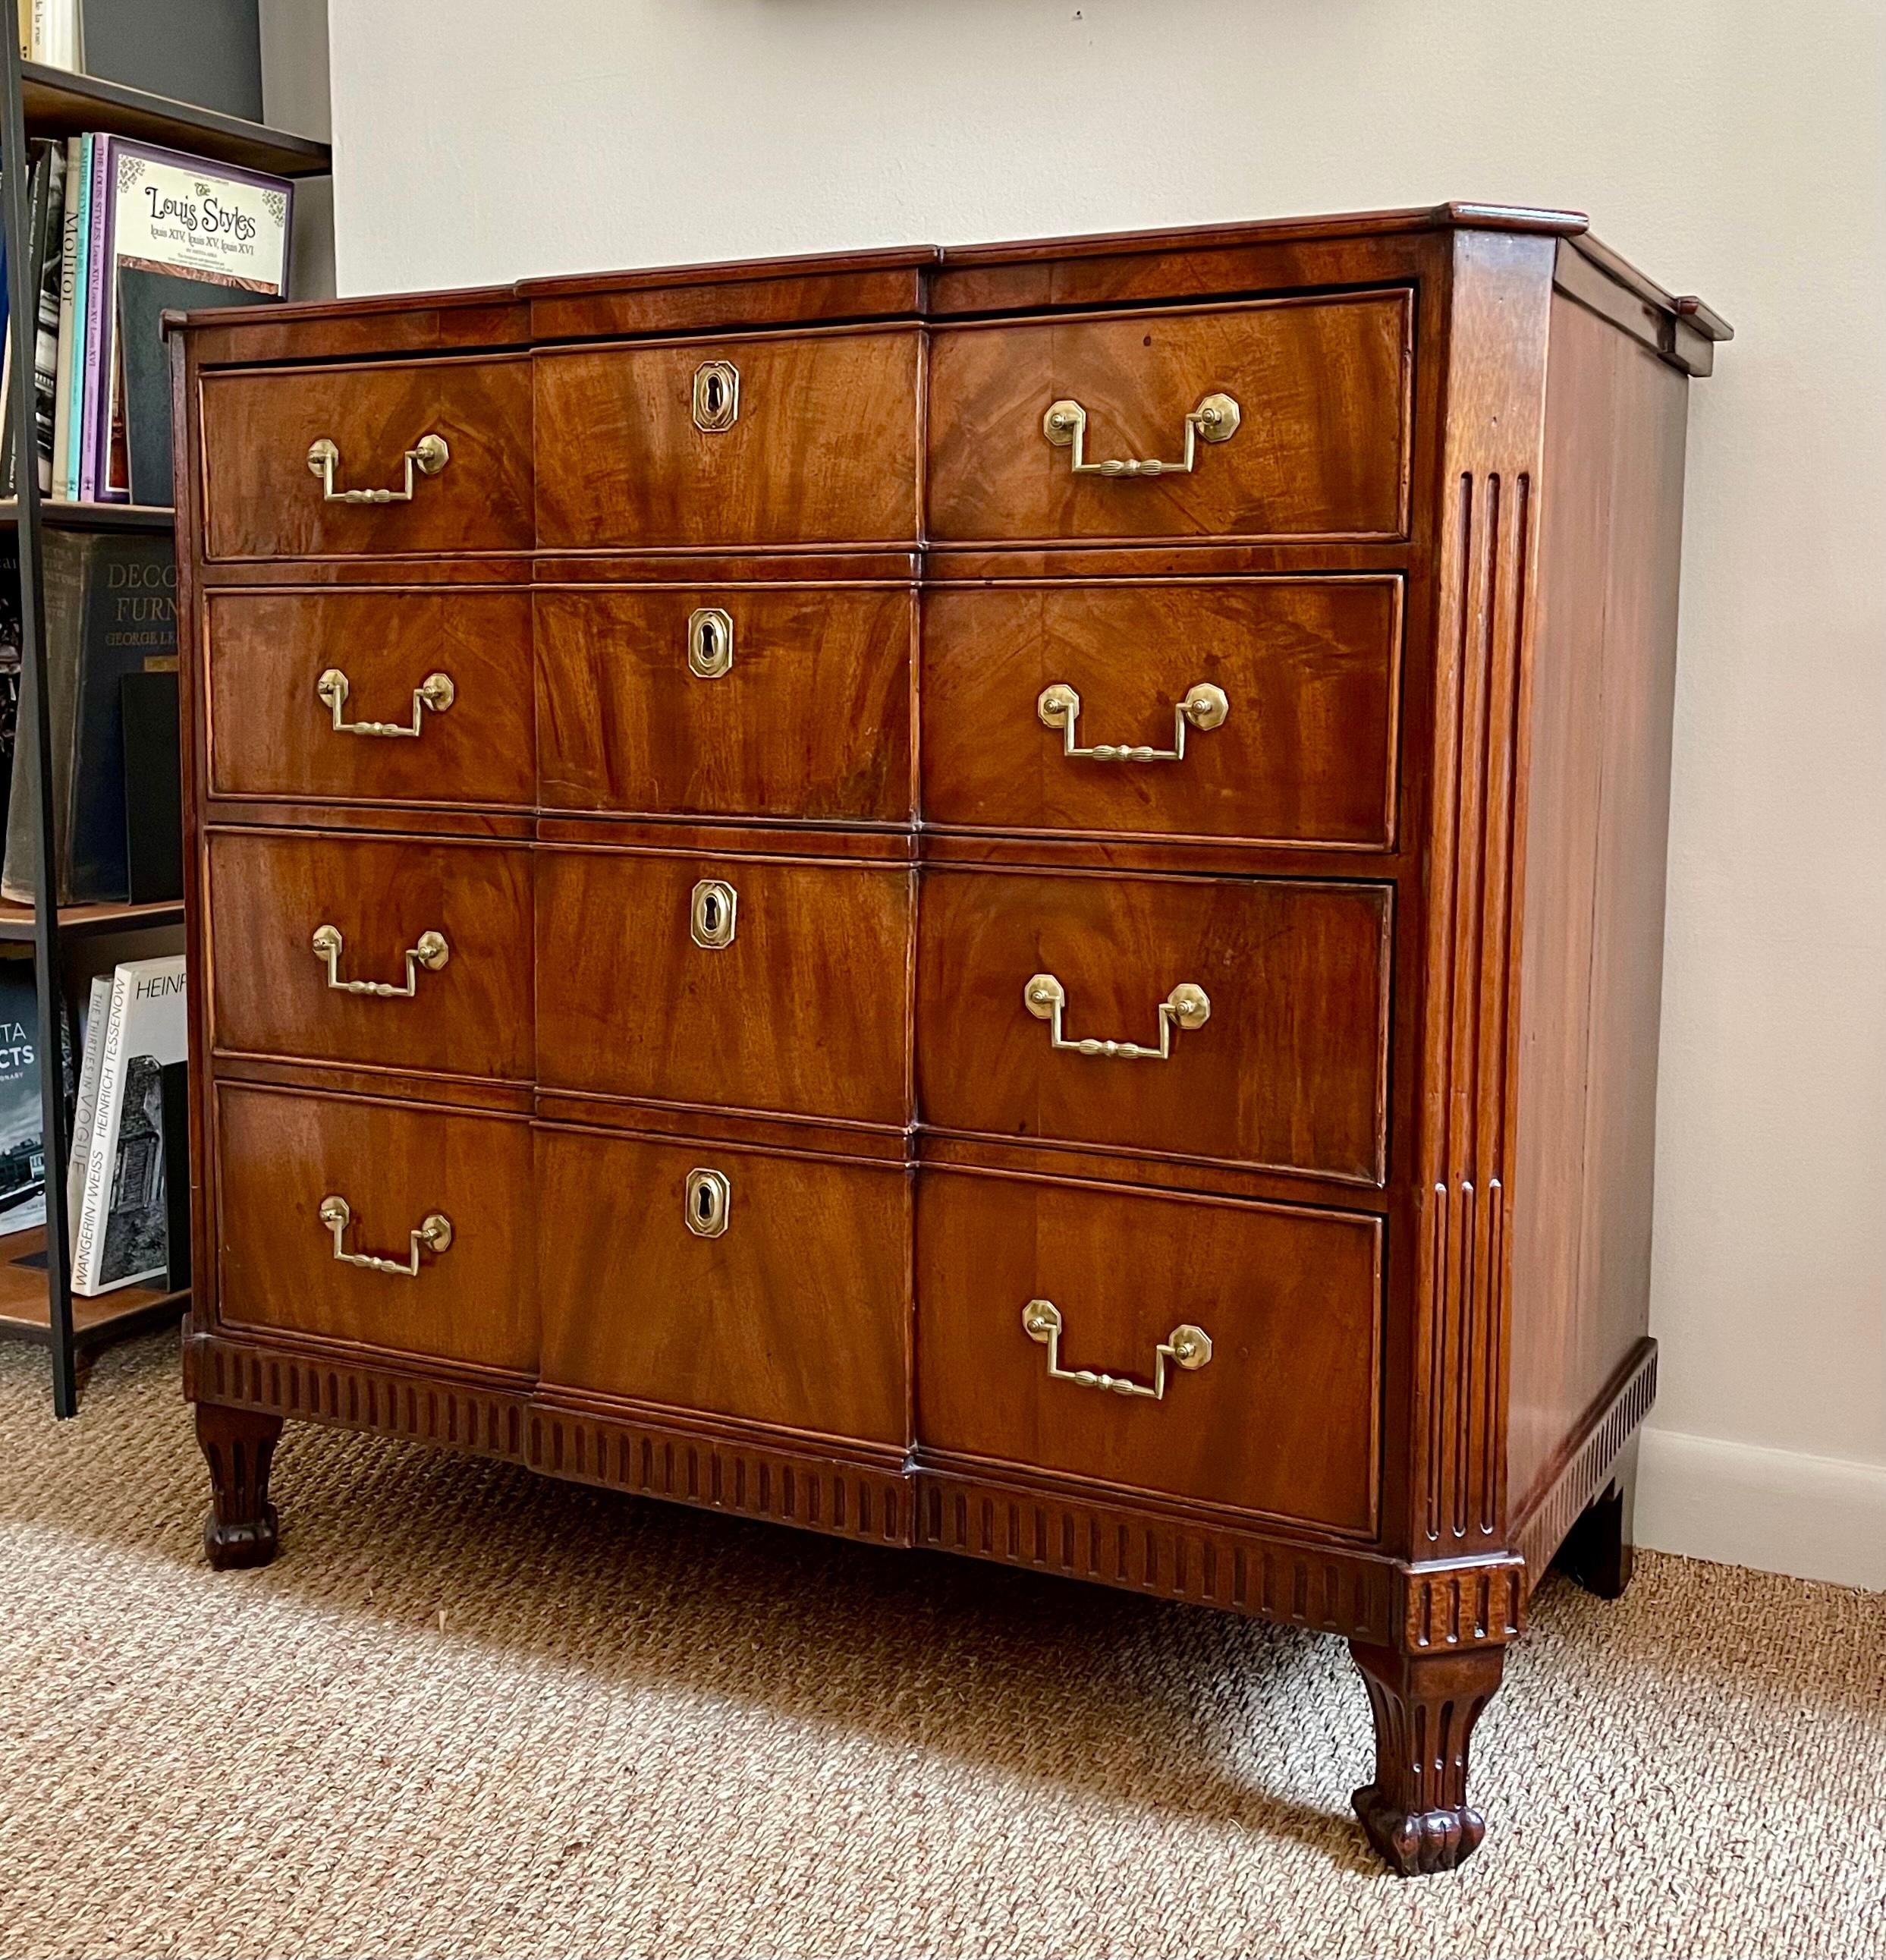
<point>1732,149</point>
<point>295,95</point>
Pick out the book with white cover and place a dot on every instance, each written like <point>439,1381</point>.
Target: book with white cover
<point>122,1226</point>
<point>85,1108</point>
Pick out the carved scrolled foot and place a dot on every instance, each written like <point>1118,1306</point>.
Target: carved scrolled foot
<point>238,1444</point>
<point>1597,1550</point>
<point>1416,1812</point>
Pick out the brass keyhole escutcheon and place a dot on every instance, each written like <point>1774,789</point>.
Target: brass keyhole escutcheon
<point>716,396</point>
<point>705,1199</point>
<point>710,641</point>
<point>712,914</point>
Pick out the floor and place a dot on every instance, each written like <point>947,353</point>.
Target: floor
<point>469,1712</point>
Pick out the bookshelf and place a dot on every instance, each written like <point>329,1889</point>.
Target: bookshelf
<point>36,1302</point>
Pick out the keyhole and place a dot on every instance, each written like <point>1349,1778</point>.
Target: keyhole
<point>710,639</point>
<point>704,1203</point>
<point>710,912</point>
<point>714,394</point>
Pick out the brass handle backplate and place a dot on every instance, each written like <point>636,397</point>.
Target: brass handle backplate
<point>1187,1346</point>
<point>709,642</point>
<point>432,1234</point>
<point>430,952</point>
<point>1204,706</point>
<point>716,396</point>
<point>705,1199</point>
<point>1216,419</point>
<point>426,457</point>
<point>1187,1006</point>
<point>436,693</point>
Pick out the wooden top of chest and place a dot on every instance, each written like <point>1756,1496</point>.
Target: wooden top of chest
<point>930,282</point>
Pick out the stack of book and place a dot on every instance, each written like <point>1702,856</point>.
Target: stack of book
<point>120,231</point>
<point>118,1198</point>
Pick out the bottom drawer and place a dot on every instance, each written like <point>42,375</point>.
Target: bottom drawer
<point>769,1288</point>
<point>287,1259</point>
<point>1032,1296</point>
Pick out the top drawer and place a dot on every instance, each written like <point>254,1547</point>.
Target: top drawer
<point>1293,414</point>
<point>409,456</point>
<point>807,439</point>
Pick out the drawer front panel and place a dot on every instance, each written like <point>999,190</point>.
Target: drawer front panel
<point>281,1157</point>
<point>1286,1071</point>
<point>263,500</point>
<point>804,1010</point>
<point>273,656</point>
<point>821,447</point>
<point>1288,686</point>
<point>1320,448</point>
<point>1281,1419</point>
<point>795,1313</point>
<point>793,701</point>
<point>468,1014</point>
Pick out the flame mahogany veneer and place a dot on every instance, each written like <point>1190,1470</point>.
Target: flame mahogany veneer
<point>713,840</point>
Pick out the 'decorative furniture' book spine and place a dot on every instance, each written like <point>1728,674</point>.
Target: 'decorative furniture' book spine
<point>62,489</point>
<point>123,1228</point>
<point>171,213</point>
<point>22,1131</point>
<point>85,1108</point>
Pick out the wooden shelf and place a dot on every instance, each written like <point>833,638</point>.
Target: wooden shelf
<point>25,1315</point>
<point>58,102</point>
<point>16,921</point>
<point>64,517</point>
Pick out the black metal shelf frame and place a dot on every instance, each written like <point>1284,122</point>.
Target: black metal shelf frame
<point>62,104</point>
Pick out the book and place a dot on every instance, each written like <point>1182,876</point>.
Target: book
<point>161,211</point>
<point>38,203</point>
<point>11,671</point>
<point>110,610</point>
<point>22,1128</point>
<point>54,33</point>
<point>85,1106</point>
<point>154,788</point>
<point>72,358</point>
<point>143,298</point>
<point>123,1232</point>
<point>49,251</point>
<point>207,52</point>
<point>68,294</point>
<point>90,349</point>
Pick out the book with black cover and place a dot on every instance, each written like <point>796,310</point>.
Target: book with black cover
<point>22,1128</point>
<point>154,789</point>
<point>110,610</point>
<point>143,298</point>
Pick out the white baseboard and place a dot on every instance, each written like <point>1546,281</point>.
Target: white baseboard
<point>1777,1510</point>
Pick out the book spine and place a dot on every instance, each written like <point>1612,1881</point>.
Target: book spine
<point>102,150</point>
<point>75,381</point>
<point>50,247</point>
<point>68,313</point>
<point>85,1107</point>
<point>94,1209</point>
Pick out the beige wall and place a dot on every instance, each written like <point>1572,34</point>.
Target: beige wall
<point>1733,150</point>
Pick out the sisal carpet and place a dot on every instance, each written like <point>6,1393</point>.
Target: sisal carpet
<point>470,1713</point>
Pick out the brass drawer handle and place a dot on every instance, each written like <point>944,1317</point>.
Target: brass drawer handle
<point>1190,1346</point>
<point>431,952</point>
<point>428,455</point>
<point>1215,418</point>
<point>1187,1006</point>
<point>432,1234</point>
<point>1204,706</point>
<point>436,692</point>
<point>704,1202</point>
<point>709,642</point>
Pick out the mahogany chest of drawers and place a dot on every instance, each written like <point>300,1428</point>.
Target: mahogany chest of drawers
<point>1005,899</point>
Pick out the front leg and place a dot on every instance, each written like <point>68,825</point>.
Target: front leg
<point>1416,1812</point>
<point>238,1444</point>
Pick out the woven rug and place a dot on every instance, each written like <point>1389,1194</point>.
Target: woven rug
<point>469,1712</point>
